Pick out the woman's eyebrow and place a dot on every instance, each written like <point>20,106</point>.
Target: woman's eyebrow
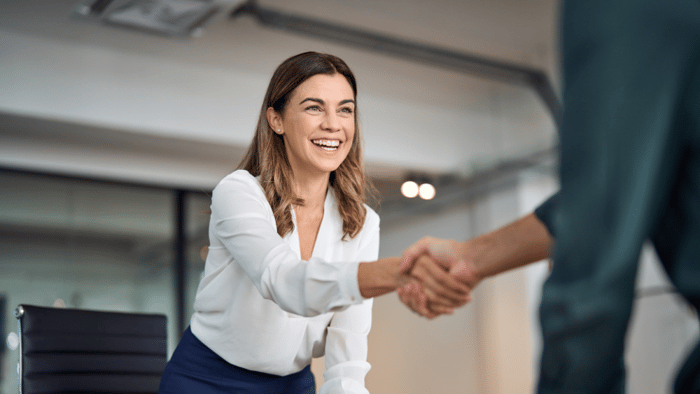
<point>318,100</point>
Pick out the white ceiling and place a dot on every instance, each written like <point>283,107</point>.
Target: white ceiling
<point>514,30</point>
<point>458,121</point>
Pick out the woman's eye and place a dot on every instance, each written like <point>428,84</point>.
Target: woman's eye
<point>346,110</point>
<point>313,108</point>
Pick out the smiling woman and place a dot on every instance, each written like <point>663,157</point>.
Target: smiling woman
<point>317,127</point>
<point>292,262</point>
<point>296,96</point>
<point>318,124</point>
<point>288,231</point>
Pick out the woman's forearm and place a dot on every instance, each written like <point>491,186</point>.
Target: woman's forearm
<point>380,277</point>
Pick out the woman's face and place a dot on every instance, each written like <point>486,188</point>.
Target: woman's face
<point>318,124</point>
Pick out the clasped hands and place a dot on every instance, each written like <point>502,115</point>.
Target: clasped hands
<point>439,276</point>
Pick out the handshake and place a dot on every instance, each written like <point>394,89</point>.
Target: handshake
<point>434,276</point>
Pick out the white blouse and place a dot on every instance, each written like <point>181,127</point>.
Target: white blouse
<point>262,308</point>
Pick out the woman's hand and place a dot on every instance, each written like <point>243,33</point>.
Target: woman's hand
<point>443,277</point>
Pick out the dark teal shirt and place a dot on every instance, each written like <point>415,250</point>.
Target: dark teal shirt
<point>629,172</point>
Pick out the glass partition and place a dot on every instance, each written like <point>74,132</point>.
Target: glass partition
<point>94,245</point>
<point>197,232</point>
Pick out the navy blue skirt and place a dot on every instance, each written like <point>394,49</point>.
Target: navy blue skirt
<point>194,368</point>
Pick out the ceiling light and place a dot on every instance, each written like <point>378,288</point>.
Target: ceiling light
<point>166,17</point>
<point>409,189</point>
<point>426,191</point>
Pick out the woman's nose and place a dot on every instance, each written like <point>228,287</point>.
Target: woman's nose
<point>331,121</point>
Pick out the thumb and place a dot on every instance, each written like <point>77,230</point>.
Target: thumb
<point>410,255</point>
<point>464,271</point>
<point>406,264</point>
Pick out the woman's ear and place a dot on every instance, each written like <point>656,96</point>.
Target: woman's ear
<point>274,120</point>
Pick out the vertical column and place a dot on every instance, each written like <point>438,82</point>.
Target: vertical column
<point>180,245</point>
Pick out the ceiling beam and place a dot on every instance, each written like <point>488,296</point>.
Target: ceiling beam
<point>472,64</point>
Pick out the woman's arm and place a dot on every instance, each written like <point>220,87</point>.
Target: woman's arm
<point>244,233</point>
<point>346,350</point>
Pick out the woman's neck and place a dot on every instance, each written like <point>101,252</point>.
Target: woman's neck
<point>312,189</point>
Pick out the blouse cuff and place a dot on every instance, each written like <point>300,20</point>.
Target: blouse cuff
<point>350,283</point>
<point>346,378</point>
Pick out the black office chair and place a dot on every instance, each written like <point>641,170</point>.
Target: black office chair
<point>73,350</point>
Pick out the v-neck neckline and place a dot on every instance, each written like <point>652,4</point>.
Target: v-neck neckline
<point>296,246</point>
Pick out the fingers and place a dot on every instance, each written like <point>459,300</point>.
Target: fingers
<point>413,297</point>
<point>439,304</point>
<point>445,252</point>
<point>437,310</point>
<point>439,286</point>
<point>408,296</point>
<point>412,253</point>
<point>444,280</point>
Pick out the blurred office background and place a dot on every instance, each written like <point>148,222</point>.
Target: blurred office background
<point>112,138</point>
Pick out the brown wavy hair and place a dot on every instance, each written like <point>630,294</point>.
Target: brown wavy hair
<point>267,158</point>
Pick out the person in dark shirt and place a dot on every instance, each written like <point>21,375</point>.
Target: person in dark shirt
<point>629,172</point>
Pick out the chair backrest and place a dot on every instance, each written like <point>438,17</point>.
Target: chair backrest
<point>73,350</point>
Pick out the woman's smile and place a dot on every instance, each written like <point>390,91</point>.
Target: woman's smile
<point>327,144</point>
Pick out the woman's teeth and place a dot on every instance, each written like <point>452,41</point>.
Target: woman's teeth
<point>327,144</point>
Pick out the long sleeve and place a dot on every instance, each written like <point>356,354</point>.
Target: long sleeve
<point>625,67</point>
<point>244,224</point>
<point>346,341</point>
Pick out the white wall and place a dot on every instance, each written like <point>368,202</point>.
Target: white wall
<point>454,121</point>
<point>410,354</point>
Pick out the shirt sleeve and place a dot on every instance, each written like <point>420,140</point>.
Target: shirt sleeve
<point>346,340</point>
<point>243,222</point>
<point>546,213</point>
